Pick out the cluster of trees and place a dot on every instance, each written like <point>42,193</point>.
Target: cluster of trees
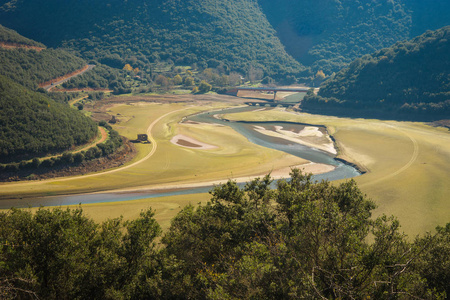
<point>301,240</point>
<point>32,124</point>
<point>202,81</point>
<point>101,77</point>
<point>410,77</point>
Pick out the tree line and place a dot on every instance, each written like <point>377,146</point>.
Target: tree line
<point>303,239</point>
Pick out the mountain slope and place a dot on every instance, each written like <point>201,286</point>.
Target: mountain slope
<point>32,124</point>
<point>410,77</point>
<point>30,64</point>
<point>234,33</point>
<point>329,34</point>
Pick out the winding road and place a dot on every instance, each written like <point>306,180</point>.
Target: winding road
<point>63,79</point>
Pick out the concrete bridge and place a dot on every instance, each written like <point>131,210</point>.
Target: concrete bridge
<point>269,104</point>
<point>235,91</point>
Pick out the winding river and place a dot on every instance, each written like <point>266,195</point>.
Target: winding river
<point>341,170</point>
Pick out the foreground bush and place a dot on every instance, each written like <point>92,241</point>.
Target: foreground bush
<point>300,240</point>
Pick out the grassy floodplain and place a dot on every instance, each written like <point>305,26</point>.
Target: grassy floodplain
<point>166,164</point>
<point>408,164</point>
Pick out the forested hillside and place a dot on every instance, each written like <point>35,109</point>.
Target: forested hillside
<point>210,33</point>
<point>30,67</point>
<point>408,78</point>
<point>324,35</point>
<point>31,124</point>
<point>329,34</point>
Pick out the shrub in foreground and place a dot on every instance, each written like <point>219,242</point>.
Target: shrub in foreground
<point>301,240</point>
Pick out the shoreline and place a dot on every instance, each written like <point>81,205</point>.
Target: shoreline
<point>282,173</point>
<point>338,156</point>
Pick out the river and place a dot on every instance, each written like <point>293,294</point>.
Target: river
<point>341,171</point>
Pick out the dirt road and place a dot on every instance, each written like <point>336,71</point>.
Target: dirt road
<point>7,45</point>
<point>60,80</point>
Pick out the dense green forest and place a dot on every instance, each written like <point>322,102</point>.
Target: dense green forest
<point>410,77</point>
<point>32,124</point>
<point>210,33</point>
<point>30,67</point>
<point>302,240</point>
<point>237,35</point>
<point>325,35</point>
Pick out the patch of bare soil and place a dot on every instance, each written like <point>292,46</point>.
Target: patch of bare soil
<point>123,155</point>
<point>257,95</point>
<point>62,90</point>
<point>188,142</point>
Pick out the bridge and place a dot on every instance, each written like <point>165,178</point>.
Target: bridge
<point>235,91</point>
<point>269,104</point>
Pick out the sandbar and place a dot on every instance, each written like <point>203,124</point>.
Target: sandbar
<point>304,137</point>
<point>188,142</point>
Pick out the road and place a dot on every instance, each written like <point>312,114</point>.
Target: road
<point>56,83</point>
